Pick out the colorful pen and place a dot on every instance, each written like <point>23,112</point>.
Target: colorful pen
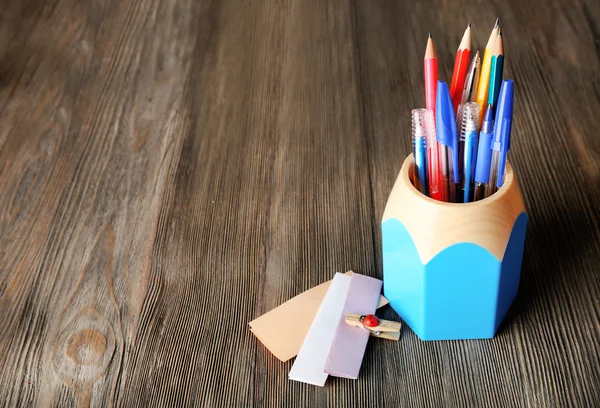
<point>497,66</point>
<point>501,145</point>
<point>447,137</point>
<point>472,81</point>
<point>470,90</point>
<point>431,78</point>
<point>484,156</point>
<point>484,78</point>
<point>468,149</point>
<point>461,64</point>
<point>433,167</point>
<point>419,140</point>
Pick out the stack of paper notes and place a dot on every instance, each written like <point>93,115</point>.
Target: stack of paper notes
<point>312,326</point>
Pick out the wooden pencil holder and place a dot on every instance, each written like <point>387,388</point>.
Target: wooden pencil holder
<point>451,271</point>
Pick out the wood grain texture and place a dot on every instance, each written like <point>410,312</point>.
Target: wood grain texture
<point>164,163</point>
<point>434,226</point>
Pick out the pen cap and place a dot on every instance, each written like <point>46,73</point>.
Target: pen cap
<point>422,121</point>
<point>425,119</point>
<point>445,124</point>
<point>470,119</point>
<point>422,126</point>
<point>504,112</point>
<point>482,169</point>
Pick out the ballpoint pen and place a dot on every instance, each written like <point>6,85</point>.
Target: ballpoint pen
<point>484,156</point>
<point>447,137</point>
<point>501,144</point>
<point>484,78</point>
<point>470,90</point>
<point>472,81</point>
<point>431,77</point>
<point>468,141</point>
<point>461,63</point>
<point>420,117</point>
<point>433,167</point>
<point>497,66</point>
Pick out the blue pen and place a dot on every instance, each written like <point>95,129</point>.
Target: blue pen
<point>421,119</point>
<point>501,145</point>
<point>447,137</point>
<point>484,155</point>
<point>468,141</point>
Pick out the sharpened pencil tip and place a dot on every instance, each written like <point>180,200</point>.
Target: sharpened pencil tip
<point>469,25</point>
<point>497,22</point>
<point>429,36</point>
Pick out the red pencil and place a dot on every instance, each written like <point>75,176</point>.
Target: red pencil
<point>461,64</point>
<point>431,75</point>
<point>431,79</point>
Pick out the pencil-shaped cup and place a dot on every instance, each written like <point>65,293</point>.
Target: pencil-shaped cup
<point>451,271</point>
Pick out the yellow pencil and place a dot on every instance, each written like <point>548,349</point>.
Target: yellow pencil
<point>484,78</point>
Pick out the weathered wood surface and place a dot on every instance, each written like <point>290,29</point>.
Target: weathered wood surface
<point>167,163</point>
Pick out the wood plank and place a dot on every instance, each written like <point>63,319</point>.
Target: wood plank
<point>108,134</point>
<point>167,163</point>
<point>555,212</point>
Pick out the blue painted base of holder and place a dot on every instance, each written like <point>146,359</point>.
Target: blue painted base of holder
<point>464,292</point>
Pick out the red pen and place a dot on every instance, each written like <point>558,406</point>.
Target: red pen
<point>431,78</point>
<point>461,63</point>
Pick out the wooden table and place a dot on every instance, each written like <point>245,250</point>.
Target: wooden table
<point>170,170</point>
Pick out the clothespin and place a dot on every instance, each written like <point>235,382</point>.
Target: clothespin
<point>383,329</point>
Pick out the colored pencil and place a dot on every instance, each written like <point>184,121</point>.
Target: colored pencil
<point>431,74</point>
<point>484,78</point>
<point>497,67</point>
<point>461,64</point>
<point>431,79</point>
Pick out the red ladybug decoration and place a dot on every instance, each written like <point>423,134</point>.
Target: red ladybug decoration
<point>370,320</point>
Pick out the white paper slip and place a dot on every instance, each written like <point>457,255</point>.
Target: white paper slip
<point>309,366</point>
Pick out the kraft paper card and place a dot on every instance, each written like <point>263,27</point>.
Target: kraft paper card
<point>283,329</point>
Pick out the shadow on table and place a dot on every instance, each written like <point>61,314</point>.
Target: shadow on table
<point>555,243</point>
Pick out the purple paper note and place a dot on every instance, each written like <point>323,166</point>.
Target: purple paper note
<point>349,343</point>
